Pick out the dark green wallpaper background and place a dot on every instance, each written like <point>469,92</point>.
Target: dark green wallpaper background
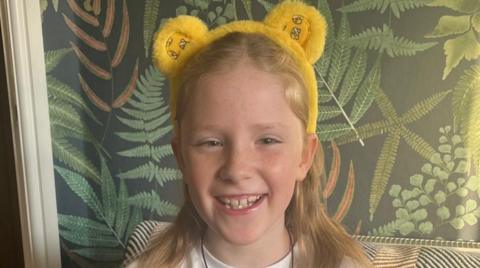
<point>405,74</point>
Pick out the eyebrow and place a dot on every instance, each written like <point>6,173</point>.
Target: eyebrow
<point>267,126</point>
<point>257,126</point>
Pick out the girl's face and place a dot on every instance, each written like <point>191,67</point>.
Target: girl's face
<point>241,149</point>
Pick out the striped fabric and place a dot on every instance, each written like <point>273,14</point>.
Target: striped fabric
<point>441,257</point>
<point>381,255</point>
<point>140,238</point>
<point>399,256</point>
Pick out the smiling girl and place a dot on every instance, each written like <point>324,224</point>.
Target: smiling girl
<point>244,109</point>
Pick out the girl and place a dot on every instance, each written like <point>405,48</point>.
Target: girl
<point>244,108</point>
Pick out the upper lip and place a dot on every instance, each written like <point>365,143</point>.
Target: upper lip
<point>238,196</point>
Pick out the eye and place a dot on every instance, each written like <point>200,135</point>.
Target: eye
<point>269,140</point>
<point>211,143</point>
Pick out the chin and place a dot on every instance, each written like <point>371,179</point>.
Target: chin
<point>241,236</point>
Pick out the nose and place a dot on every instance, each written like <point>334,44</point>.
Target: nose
<point>237,163</point>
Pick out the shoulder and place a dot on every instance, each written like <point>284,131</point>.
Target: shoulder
<point>139,240</point>
<point>348,262</point>
<point>418,256</point>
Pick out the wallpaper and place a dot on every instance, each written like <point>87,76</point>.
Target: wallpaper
<point>399,107</point>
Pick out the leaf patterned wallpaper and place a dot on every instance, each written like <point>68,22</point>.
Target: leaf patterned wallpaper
<point>399,117</point>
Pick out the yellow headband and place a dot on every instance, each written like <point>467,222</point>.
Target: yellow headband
<point>294,26</point>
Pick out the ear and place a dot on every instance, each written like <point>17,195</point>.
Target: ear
<point>303,24</point>
<point>308,155</point>
<point>177,40</point>
<point>177,152</point>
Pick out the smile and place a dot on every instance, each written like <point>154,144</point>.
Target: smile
<point>244,202</point>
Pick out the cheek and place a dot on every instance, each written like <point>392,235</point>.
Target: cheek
<point>198,170</point>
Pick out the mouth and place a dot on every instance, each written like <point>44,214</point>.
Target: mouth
<point>241,202</point>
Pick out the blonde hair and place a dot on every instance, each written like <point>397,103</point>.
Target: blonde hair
<point>321,241</point>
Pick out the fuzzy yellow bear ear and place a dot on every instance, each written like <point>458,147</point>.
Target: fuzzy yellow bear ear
<point>303,24</point>
<point>176,42</point>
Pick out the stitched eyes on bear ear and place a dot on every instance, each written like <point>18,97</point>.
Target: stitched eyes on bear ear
<point>176,44</point>
<point>298,28</point>
<point>176,41</point>
<point>303,24</point>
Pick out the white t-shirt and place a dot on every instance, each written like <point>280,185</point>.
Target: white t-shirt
<point>195,260</point>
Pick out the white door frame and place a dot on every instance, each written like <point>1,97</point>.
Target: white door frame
<point>27,87</point>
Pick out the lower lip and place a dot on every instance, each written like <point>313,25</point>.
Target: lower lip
<point>242,211</point>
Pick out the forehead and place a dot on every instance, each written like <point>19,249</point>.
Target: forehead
<point>242,92</point>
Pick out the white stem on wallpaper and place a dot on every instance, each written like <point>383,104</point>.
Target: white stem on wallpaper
<point>27,86</point>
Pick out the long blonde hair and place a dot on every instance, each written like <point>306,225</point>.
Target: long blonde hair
<point>321,241</point>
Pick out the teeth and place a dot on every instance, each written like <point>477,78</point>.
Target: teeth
<point>240,203</point>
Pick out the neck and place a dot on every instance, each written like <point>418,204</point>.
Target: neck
<point>268,249</point>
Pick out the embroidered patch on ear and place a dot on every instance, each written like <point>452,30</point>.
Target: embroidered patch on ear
<point>178,39</point>
<point>301,23</point>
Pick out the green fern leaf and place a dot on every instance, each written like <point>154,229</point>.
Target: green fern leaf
<point>341,55</point>
<point>327,132</point>
<point>366,93</point>
<point>465,46</point>
<point>109,196</point>
<point>88,240</point>
<point>385,105</point>
<point>79,185</point>
<point>464,6</point>
<point>383,40</point>
<point>156,123</point>
<point>158,133</point>
<point>353,77</point>
<point>384,167</point>
<point>364,5</point>
<point>155,152</point>
<point>267,4</point>
<point>123,210</point>
<point>417,143</point>
<point>137,152</point>
<point>144,105</point>
<point>396,6</point>
<point>101,254</point>
<point>450,25</point>
<point>66,153</point>
<point>137,217</point>
<point>151,171</point>
<point>58,91</point>
<point>466,110</point>
<point>149,23</point>
<point>53,58</point>
<point>144,137</point>
<point>152,202</point>
<point>424,107</point>
<point>327,112</point>
<point>62,130</point>
<point>389,229</point>
<point>132,123</point>
<point>133,136</point>
<point>62,119</point>
<point>323,95</point>
<point>366,131</point>
<point>146,116</point>
<point>247,5</point>
<point>64,111</point>
<point>55,5</point>
<point>81,224</point>
<point>159,152</point>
